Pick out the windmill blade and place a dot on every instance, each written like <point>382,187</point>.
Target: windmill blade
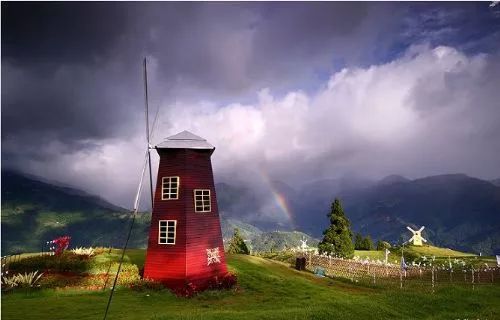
<point>153,126</point>
<point>410,229</point>
<point>139,188</point>
<point>422,228</point>
<point>424,240</point>
<point>146,105</point>
<point>411,239</point>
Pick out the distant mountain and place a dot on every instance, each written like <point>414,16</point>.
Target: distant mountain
<point>35,211</point>
<point>458,211</point>
<point>392,179</point>
<point>247,230</point>
<point>261,241</point>
<point>280,240</point>
<point>496,182</point>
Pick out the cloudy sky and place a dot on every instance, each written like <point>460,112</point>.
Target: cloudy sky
<point>285,91</point>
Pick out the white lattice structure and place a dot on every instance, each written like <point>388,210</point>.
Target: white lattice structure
<point>213,256</point>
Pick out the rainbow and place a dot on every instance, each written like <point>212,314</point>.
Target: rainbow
<point>279,199</point>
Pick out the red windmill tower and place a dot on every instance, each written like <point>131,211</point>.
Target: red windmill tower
<point>185,248</point>
<point>185,244</point>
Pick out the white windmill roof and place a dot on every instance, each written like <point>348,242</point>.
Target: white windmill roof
<point>185,140</point>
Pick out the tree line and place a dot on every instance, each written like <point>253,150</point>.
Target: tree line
<point>338,239</point>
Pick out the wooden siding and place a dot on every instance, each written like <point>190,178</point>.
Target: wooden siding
<point>186,261</point>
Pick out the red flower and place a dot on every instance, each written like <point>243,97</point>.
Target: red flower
<point>62,243</point>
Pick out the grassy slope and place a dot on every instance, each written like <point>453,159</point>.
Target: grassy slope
<point>422,251</point>
<point>438,252</point>
<point>268,290</point>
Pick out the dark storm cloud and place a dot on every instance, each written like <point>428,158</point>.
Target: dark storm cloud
<point>72,73</point>
<point>231,47</point>
<point>72,95</point>
<point>59,32</point>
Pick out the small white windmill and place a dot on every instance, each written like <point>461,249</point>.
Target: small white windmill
<point>417,238</point>
<point>303,246</point>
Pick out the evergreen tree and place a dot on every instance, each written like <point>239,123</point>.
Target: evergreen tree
<point>358,241</point>
<point>237,244</point>
<point>337,238</point>
<point>367,243</point>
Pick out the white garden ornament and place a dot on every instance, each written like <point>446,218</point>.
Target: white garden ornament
<point>417,238</point>
<point>303,245</point>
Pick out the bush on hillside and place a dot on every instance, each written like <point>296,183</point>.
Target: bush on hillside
<point>66,262</point>
<point>358,241</point>
<point>382,245</point>
<point>237,244</point>
<point>228,281</point>
<point>367,243</point>
<point>363,243</point>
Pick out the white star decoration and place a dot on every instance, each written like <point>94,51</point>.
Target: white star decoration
<point>213,256</point>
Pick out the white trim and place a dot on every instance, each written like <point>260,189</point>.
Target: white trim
<point>166,231</point>
<point>167,193</point>
<point>201,201</point>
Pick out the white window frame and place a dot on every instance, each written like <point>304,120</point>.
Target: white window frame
<point>166,193</point>
<point>166,238</point>
<point>200,198</point>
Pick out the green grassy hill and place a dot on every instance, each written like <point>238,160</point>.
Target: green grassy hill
<point>35,211</point>
<point>414,251</point>
<point>437,252</point>
<point>267,290</point>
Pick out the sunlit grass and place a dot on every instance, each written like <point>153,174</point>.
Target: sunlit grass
<point>267,290</point>
<point>438,252</point>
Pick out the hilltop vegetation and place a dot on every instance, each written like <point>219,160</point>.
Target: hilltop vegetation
<point>34,212</point>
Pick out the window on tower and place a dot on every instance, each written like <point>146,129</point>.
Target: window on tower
<point>170,188</point>
<point>167,231</point>
<point>202,200</point>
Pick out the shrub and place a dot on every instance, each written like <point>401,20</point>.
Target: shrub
<point>382,245</point>
<point>66,262</point>
<point>129,274</point>
<point>83,251</point>
<point>227,281</point>
<point>105,267</point>
<point>26,280</point>
<point>8,282</point>
<point>237,244</point>
<point>59,281</point>
<point>101,250</point>
<point>146,284</point>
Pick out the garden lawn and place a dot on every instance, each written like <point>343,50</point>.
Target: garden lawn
<point>267,290</point>
<point>371,254</point>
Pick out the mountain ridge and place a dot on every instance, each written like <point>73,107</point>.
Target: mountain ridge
<point>458,211</point>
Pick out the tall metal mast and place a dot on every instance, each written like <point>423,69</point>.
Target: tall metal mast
<point>146,103</point>
<point>147,162</point>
